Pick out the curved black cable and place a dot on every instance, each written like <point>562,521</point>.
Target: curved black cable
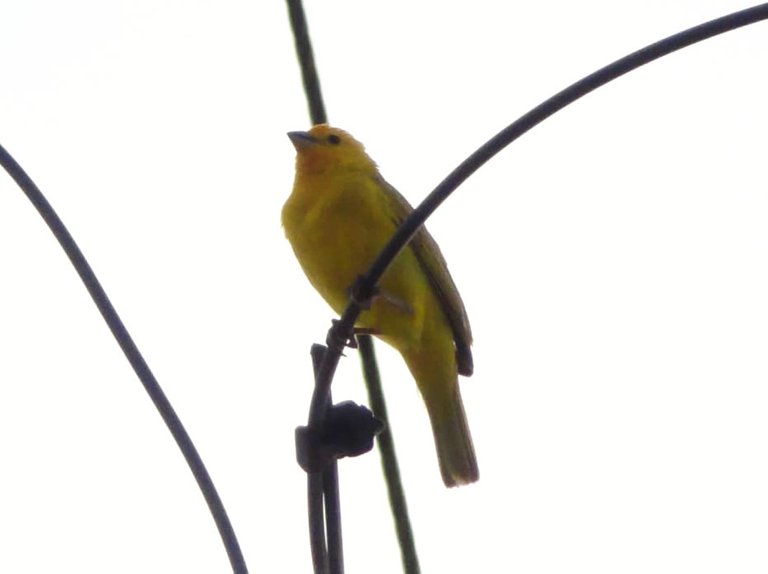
<point>342,330</point>
<point>134,357</point>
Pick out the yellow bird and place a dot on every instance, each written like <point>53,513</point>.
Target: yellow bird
<point>339,216</point>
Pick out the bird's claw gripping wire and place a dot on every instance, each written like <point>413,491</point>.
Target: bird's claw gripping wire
<point>335,336</point>
<point>362,295</point>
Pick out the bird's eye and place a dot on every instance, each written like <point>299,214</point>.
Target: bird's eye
<point>334,139</point>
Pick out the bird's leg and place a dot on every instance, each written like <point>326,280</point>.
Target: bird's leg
<point>360,295</point>
<point>397,302</point>
<point>364,298</point>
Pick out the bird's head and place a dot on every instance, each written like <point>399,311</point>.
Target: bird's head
<point>325,148</point>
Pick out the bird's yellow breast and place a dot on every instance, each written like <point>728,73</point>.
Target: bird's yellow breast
<point>337,225</point>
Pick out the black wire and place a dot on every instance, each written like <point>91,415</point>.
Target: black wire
<point>134,357</point>
<point>316,522</point>
<point>317,483</point>
<point>323,494</point>
<point>333,518</point>
<point>395,490</point>
<point>544,111</point>
<point>342,329</point>
<point>307,62</point>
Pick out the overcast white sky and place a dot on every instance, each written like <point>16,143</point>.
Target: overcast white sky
<point>613,263</point>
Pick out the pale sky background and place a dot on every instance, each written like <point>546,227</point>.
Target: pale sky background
<point>613,263</point>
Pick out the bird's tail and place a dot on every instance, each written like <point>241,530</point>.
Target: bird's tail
<point>453,441</point>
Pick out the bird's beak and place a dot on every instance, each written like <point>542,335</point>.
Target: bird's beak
<point>301,140</point>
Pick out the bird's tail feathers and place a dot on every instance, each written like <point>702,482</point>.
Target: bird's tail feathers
<point>455,451</point>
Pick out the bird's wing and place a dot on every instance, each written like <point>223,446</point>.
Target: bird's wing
<point>436,269</point>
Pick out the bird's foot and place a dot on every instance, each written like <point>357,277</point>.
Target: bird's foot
<point>361,295</point>
<point>340,339</point>
<point>364,298</point>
